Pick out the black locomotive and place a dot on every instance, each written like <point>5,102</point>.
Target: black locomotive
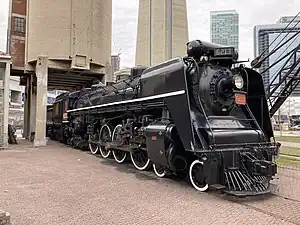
<point>201,116</point>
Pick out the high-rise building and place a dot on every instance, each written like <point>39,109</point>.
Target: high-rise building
<point>154,37</point>
<point>224,28</point>
<point>16,32</point>
<point>266,38</point>
<point>288,19</point>
<point>16,48</point>
<point>115,65</point>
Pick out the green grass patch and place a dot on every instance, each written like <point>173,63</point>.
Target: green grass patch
<point>290,151</point>
<point>288,139</point>
<point>285,161</point>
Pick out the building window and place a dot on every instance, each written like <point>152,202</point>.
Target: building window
<point>19,24</point>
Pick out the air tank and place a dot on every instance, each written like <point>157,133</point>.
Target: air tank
<point>74,34</point>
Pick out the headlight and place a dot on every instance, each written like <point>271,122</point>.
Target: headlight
<point>238,81</point>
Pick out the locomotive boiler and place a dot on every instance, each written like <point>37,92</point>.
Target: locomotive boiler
<point>201,116</point>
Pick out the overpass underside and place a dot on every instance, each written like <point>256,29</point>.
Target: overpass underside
<point>42,76</point>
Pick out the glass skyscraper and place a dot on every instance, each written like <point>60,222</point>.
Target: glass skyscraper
<point>288,19</point>
<point>274,34</point>
<point>224,28</point>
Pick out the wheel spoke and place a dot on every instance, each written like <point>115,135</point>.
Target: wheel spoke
<point>94,147</point>
<point>159,170</point>
<point>105,136</point>
<point>197,177</point>
<point>119,155</point>
<point>140,160</point>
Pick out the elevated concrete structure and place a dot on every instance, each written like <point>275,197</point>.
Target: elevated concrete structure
<point>67,47</point>
<point>155,41</point>
<point>5,62</point>
<point>76,38</point>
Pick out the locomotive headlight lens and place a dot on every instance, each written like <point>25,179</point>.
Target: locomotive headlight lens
<point>238,81</point>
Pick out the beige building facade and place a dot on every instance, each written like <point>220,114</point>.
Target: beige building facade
<point>75,34</point>
<point>153,45</point>
<point>67,47</point>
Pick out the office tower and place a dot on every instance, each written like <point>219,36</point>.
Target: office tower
<point>288,19</point>
<point>15,47</point>
<point>264,36</point>
<point>224,28</point>
<point>115,63</point>
<point>154,37</point>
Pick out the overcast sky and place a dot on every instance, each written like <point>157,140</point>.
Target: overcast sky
<point>251,13</point>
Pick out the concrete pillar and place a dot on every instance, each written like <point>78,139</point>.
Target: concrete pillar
<point>155,41</point>
<point>32,105</point>
<point>4,99</point>
<point>26,110</point>
<point>41,101</point>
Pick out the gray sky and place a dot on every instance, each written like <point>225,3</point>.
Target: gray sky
<point>3,23</point>
<point>251,13</point>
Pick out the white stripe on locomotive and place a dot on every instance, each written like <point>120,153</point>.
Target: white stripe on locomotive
<point>181,92</point>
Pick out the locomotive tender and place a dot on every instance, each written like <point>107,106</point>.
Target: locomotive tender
<point>197,116</point>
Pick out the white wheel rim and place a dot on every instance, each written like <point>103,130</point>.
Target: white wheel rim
<point>118,160</point>
<point>91,148</point>
<point>139,167</point>
<point>101,150</point>
<point>103,154</point>
<point>191,178</point>
<point>157,173</point>
<point>114,154</point>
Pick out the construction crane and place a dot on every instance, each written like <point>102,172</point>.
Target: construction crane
<point>287,77</point>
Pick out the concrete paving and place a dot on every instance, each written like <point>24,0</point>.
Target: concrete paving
<point>290,144</point>
<point>288,133</point>
<point>60,185</point>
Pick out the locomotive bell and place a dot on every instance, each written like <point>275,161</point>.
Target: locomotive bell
<point>194,49</point>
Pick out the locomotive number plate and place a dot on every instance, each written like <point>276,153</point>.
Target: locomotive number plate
<point>240,99</point>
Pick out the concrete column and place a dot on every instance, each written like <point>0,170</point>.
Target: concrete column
<point>162,31</point>
<point>4,99</point>
<point>26,110</point>
<point>41,101</point>
<point>32,107</point>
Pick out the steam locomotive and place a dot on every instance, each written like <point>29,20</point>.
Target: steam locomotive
<point>203,116</point>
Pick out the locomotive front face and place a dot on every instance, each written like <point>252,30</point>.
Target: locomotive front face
<point>227,123</point>
<point>220,89</point>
